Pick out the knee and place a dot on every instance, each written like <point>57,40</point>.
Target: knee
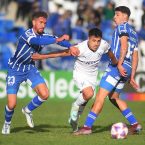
<point>88,95</point>
<point>11,106</point>
<point>44,95</point>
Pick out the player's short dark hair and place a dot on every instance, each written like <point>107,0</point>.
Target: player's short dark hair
<point>123,9</point>
<point>39,14</point>
<point>95,32</point>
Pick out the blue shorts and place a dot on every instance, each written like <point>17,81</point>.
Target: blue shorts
<point>112,80</point>
<point>15,78</point>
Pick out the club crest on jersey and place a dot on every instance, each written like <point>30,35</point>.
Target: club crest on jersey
<point>11,80</point>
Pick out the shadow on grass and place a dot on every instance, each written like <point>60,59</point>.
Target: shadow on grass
<point>98,129</point>
<point>37,128</point>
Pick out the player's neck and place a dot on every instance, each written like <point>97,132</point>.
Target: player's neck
<point>90,48</point>
<point>122,23</point>
<point>35,31</point>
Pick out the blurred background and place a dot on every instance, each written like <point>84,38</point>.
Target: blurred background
<point>72,17</point>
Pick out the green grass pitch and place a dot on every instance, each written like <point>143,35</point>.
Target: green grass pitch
<point>52,128</point>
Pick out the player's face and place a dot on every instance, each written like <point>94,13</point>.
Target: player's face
<point>39,25</point>
<point>94,42</point>
<point>119,17</point>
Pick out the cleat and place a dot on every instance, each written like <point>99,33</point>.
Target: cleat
<point>28,118</point>
<point>134,129</point>
<point>83,131</point>
<point>74,125</point>
<point>73,120</point>
<point>6,128</point>
<point>74,112</point>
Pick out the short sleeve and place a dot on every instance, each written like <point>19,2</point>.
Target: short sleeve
<point>122,30</point>
<point>106,46</point>
<point>81,46</point>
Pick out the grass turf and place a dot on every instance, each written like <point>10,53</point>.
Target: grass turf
<point>52,128</point>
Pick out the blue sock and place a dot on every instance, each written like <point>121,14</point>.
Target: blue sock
<point>35,102</point>
<point>129,116</point>
<point>90,119</point>
<point>8,114</point>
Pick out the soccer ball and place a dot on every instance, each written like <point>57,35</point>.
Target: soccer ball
<point>119,131</point>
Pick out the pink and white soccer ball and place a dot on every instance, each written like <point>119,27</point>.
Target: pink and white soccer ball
<point>119,131</point>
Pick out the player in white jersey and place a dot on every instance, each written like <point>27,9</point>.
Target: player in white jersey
<point>124,47</point>
<point>85,69</point>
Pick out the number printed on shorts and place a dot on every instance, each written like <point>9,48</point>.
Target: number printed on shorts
<point>11,80</point>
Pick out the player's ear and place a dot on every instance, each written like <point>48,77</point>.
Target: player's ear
<point>33,22</point>
<point>125,16</point>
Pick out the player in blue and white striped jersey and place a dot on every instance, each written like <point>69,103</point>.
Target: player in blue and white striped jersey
<point>22,68</point>
<point>124,47</point>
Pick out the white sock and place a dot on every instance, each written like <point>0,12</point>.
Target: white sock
<point>7,122</point>
<point>80,100</point>
<point>27,110</point>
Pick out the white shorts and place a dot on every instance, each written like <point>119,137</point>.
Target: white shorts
<point>83,80</point>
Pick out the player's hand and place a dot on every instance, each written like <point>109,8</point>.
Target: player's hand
<point>134,84</point>
<point>36,56</point>
<point>122,70</point>
<point>63,37</point>
<point>74,51</point>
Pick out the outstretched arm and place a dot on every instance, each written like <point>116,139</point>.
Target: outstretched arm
<point>47,39</point>
<point>112,57</point>
<point>37,56</point>
<point>63,41</point>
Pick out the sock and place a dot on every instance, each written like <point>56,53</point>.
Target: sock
<point>80,100</point>
<point>8,114</point>
<point>80,103</point>
<point>90,119</point>
<point>129,116</point>
<point>35,102</point>
<point>81,108</point>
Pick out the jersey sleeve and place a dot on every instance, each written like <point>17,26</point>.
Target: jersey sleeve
<point>32,39</point>
<point>41,40</point>
<point>44,39</point>
<point>81,48</point>
<point>122,30</point>
<point>106,46</point>
<point>64,43</point>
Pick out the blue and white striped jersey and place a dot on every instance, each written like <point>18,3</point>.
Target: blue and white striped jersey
<point>124,30</point>
<point>29,43</point>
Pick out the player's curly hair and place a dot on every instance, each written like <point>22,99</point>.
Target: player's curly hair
<point>39,14</point>
<point>123,9</point>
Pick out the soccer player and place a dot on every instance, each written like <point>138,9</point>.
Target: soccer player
<point>85,69</point>
<point>124,46</point>
<point>22,68</point>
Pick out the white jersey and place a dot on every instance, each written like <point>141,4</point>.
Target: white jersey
<point>87,61</point>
